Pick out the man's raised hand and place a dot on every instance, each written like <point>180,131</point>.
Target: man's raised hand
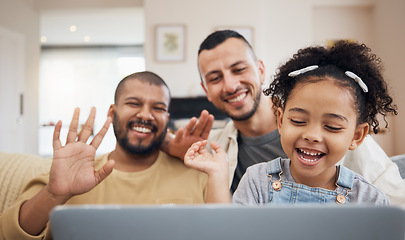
<point>72,172</point>
<point>195,130</point>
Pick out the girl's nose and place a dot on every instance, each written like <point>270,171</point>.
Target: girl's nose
<point>313,134</point>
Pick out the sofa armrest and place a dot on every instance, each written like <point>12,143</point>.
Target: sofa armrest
<point>16,170</point>
<point>400,161</point>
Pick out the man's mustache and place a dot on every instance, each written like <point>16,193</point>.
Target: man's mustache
<point>143,123</point>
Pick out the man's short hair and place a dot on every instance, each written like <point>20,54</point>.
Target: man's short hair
<point>218,37</point>
<point>146,77</point>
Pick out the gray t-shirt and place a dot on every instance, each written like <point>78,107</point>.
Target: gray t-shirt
<point>252,150</point>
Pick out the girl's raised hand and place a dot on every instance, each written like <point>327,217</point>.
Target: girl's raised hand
<point>200,159</point>
<point>215,166</point>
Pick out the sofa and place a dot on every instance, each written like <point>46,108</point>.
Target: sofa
<point>400,161</point>
<point>15,172</point>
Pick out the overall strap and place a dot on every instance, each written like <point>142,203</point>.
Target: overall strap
<point>346,177</point>
<point>274,166</point>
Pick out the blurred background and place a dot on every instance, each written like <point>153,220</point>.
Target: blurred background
<point>56,55</point>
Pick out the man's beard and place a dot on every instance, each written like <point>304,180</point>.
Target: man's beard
<point>123,141</point>
<point>247,115</point>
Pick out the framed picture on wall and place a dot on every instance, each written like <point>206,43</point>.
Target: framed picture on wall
<point>170,42</point>
<point>246,32</point>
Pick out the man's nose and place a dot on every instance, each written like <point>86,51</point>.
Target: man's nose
<point>145,114</point>
<point>231,83</point>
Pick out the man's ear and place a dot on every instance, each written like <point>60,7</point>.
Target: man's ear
<point>262,71</point>
<point>279,114</point>
<point>111,111</point>
<point>168,117</point>
<point>359,134</point>
<point>205,90</point>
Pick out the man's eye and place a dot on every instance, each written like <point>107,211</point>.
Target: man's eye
<point>160,109</point>
<point>238,70</point>
<point>214,79</point>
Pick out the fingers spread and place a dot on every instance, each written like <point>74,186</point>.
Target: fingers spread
<point>102,173</point>
<point>216,147</point>
<point>56,136</point>
<point>100,135</point>
<point>72,134</point>
<point>190,126</point>
<point>202,121</point>
<point>87,129</point>
<point>208,126</point>
<point>179,135</point>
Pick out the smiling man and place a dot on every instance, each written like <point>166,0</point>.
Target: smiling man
<point>135,172</point>
<point>232,78</point>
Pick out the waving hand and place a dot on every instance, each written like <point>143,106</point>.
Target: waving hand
<point>72,170</point>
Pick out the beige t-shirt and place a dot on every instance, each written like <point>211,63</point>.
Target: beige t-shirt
<point>168,180</point>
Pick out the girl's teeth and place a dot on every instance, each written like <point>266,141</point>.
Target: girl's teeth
<point>312,154</point>
<point>309,160</point>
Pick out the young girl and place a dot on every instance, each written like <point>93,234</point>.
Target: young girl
<point>326,101</point>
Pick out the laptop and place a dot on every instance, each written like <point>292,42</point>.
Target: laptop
<point>233,222</point>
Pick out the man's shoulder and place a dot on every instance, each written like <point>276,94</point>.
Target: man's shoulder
<point>170,163</point>
<point>168,160</point>
<point>366,191</point>
<point>101,159</point>
<point>226,132</point>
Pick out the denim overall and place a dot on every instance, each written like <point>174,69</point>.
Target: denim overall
<point>295,193</point>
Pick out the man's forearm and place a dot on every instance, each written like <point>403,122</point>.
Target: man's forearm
<point>34,213</point>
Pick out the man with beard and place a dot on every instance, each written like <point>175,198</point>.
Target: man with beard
<point>136,172</point>
<point>232,78</point>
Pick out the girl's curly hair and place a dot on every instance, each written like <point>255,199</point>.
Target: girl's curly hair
<point>333,62</point>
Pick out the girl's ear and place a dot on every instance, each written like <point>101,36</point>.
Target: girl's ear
<point>279,114</point>
<point>359,134</point>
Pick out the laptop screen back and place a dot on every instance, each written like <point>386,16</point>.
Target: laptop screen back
<point>207,222</point>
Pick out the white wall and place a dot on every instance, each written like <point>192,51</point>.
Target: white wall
<point>75,4</point>
<point>200,19</point>
<point>390,39</point>
<point>19,16</point>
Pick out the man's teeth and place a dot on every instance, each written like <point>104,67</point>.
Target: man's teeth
<point>238,98</point>
<point>142,129</point>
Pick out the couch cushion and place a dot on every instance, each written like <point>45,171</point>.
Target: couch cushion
<point>15,172</point>
<point>400,161</point>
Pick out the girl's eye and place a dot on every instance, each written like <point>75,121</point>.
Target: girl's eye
<point>335,129</point>
<point>297,122</point>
